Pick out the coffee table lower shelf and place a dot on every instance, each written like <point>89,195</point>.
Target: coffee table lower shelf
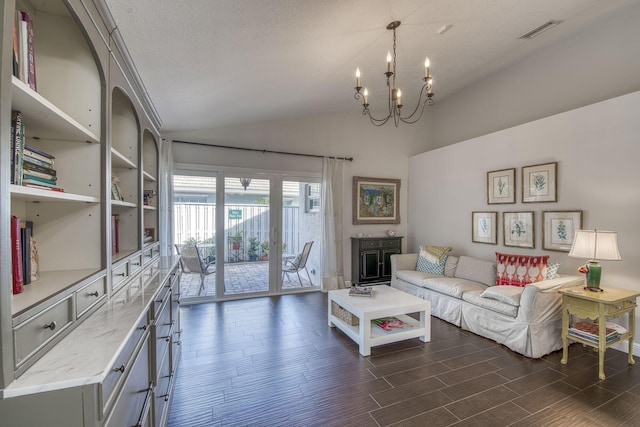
<point>367,334</point>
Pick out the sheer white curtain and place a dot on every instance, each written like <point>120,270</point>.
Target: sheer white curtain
<point>332,209</point>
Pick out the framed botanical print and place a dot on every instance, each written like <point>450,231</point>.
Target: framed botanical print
<point>484,227</point>
<point>518,229</point>
<point>376,200</point>
<point>539,183</point>
<point>559,228</point>
<point>501,186</point>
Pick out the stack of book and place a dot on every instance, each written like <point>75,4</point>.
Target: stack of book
<point>590,331</point>
<point>360,291</point>
<point>24,62</point>
<point>30,166</point>
<point>391,324</point>
<point>37,169</point>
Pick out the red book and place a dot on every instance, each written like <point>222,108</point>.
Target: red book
<point>16,256</point>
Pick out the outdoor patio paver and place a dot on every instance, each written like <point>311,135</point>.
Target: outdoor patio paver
<point>240,278</point>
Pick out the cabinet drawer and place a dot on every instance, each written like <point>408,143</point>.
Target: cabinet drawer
<point>162,392</point>
<point>162,296</point>
<point>119,274</point>
<point>147,255</point>
<point>90,295</point>
<point>620,307</point>
<point>162,332</point>
<point>123,364</point>
<point>36,332</point>
<point>135,264</point>
<point>390,243</point>
<point>132,403</point>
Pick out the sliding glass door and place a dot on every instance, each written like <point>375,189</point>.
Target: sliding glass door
<point>257,234</point>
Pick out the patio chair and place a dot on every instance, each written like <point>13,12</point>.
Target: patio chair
<point>297,264</point>
<point>191,259</point>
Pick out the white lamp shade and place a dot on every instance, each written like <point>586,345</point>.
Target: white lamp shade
<point>595,245</point>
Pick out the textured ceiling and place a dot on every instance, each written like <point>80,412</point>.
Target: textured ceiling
<point>207,63</point>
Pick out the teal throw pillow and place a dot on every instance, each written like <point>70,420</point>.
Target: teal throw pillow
<point>427,266</point>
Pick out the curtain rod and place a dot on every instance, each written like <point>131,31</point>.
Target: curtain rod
<point>262,151</point>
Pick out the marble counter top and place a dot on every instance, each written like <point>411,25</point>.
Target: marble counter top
<point>86,354</point>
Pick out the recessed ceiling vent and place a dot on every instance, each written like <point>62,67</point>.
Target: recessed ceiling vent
<point>541,29</point>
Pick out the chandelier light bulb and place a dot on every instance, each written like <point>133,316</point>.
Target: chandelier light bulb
<point>399,97</point>
<point>358,76</point>
<point>389,62</point>
<point>366,95</point>
<point>426,67</point>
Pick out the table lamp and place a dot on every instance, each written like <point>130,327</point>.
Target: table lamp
<point>595,245</point>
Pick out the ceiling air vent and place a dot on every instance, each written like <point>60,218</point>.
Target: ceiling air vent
<point>541,29</point>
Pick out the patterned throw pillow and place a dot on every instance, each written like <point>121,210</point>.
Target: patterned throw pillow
<point>520,270</point>
<point>427,266</point>
<point>552,270</point>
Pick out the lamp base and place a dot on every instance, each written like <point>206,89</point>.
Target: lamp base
<point>593,275</point>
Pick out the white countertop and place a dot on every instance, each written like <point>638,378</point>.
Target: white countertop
<point>86,354</point>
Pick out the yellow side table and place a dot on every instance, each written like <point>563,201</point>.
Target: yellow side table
<point>611,302</point>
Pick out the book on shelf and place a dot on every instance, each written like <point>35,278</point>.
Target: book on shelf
<point>28,165</point>
<point>590,331</point>
<point>115,244</point>
<point>361,291</point>
<point>30,161</point>
<point>42,187</point>
<point>17,147</point>
<point>24,62</point>
<point>26,234</point>
<point>391,324</point>
<point>38,179</point>
<point>38,154</point>
<point>16,257</point>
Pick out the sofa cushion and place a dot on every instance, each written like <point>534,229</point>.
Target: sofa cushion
<point>506,294</point>
<point>476,298</point>
<point>552,270</point>
<point>453,286</point>
<point>476,270</point>
<point>427,266</point>
<point>520,270</point>
<point>450,266</point>
<point>413,276</point>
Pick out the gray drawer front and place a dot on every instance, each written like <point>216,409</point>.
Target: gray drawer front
<point>34,333</point>
<point>90,295</point>
<point>118,275</point>
<point>131,402</point>
<point>162,392</point>
<point>147,255</point>
<point>122,365</point>
<point>135,264</point>
<point>163,332</point>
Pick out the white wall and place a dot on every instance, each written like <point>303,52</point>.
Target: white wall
<point>600,63</point>
<point>381,152</point>
<point>597,148</point>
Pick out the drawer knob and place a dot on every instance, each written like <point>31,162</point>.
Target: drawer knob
<point>51,325</point>
<point>120,369</point>
<point>143,327</point>
<point>135,263</point>
<point>121,274</point>
<point>93,294</point>
<point>167,338</point>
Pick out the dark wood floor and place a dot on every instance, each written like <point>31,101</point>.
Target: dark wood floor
<point>273,361</point>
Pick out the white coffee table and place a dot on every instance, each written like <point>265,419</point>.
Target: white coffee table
<point>384,302</point>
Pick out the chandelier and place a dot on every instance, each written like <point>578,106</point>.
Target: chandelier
<point>395,94</point>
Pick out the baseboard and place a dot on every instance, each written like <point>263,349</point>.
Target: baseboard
<point>624,347</point>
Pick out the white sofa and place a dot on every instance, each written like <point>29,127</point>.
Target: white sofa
<point>525,319</point>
